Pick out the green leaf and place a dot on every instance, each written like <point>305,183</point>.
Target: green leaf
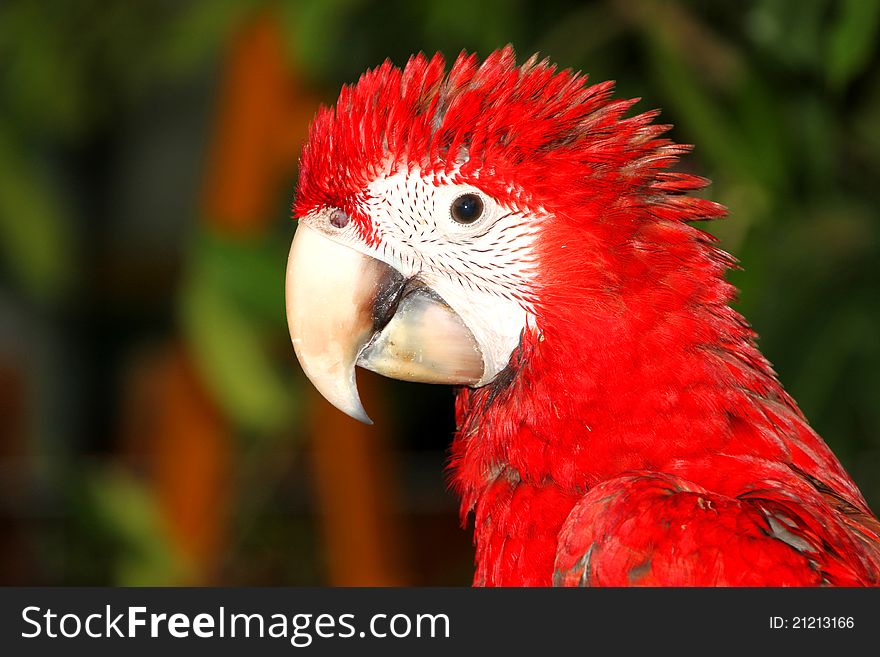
<point>852,40</point>
<point>316,29</point>
<point>125,510</point>
<point>251,271</point>
<point>229,340</point>
<point>35,237</point>
<point>200,30</point>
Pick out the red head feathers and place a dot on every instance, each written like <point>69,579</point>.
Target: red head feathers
<point>530,133</point>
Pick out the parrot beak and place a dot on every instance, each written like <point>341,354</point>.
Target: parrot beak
<point>346,309</point>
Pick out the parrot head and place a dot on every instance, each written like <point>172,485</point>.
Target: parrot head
<point>446,218</point>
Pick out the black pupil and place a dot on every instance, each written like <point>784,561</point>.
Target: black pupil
<point>466,209</point>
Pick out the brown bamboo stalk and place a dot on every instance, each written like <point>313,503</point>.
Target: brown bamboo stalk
<point>191,467</point>
<point>353,471</point>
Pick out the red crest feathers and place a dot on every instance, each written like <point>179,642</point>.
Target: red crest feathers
<point>528,133</point>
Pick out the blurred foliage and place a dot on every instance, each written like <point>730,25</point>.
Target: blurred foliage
<point>124,521</point>
<point>34,232</point>
<point>231,290</point>
<point>780,97</point>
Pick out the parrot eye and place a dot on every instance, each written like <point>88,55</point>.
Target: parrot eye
<point>338,219</point>
<point>467,208</point>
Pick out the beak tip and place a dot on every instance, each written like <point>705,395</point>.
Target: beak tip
<point>339,390</point>
<point>359,414</point>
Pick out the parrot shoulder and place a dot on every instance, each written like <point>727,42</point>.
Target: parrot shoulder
<point>658,529</point>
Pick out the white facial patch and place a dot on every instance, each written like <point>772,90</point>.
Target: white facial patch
<point>483,270</point>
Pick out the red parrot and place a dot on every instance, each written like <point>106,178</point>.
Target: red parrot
<point>511,231</point>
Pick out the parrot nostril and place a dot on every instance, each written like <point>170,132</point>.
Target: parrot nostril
<point>338,219</point>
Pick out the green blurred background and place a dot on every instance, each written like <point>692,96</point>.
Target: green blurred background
<point>154,427</point>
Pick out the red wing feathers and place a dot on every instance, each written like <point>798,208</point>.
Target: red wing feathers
<point>653,529</point>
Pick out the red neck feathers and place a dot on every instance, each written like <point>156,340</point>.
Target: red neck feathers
<point>638,363</point>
